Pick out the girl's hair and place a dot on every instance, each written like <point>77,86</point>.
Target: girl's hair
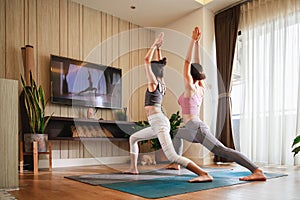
<point>158,67</point>
<point>197,71</point>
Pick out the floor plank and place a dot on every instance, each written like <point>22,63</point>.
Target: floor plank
<point>52,185</point>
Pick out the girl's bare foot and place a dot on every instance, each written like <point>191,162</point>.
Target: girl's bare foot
<point>174,166</point>
<point>131,171</point>
<point>257,175</point>
<point>202,178</point>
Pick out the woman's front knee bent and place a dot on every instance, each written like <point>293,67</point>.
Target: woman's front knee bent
<point>172,157</point>
<point>133,140</point>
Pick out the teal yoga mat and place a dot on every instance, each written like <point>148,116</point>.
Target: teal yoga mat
<point>164,183</point>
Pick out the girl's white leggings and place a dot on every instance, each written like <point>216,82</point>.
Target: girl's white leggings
<point>160,128</point>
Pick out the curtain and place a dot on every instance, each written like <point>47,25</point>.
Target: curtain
<point>226,28</point>
<point>269,58</point>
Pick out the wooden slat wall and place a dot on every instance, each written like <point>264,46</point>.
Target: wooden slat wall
<point>14,23</point>
<point>2,38</point>
<point>66,28</point>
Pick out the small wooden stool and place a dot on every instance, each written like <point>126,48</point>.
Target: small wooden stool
<point>35,155</point>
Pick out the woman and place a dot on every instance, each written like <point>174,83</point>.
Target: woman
<point>195,130</point>
<point>159,123</point>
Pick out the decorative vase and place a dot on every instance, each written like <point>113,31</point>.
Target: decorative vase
<point>41,139</point>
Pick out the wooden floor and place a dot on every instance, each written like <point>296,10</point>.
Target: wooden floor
<point>53,185</point>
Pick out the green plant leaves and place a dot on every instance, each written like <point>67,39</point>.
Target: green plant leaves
<point>296,150</point>
<point>175,121</point>
<point>296,140</point>
<point>34,100</point>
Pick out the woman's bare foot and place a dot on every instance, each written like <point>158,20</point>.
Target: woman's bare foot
<point>202,178</point>
<point>257,175</point>
<point>174,166</point>
<point>131,171</point>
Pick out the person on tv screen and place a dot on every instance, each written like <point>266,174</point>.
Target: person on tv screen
<point>90,87</point>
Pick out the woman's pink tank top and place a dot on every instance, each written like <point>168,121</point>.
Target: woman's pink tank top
<point>190,105</point>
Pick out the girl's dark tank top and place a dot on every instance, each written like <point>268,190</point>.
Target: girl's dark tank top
<point>155,98</point>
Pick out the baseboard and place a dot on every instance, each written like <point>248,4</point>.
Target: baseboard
<point>84,161</point>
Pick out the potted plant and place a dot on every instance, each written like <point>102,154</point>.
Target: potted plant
<point>121,115</point>
<point>296,150</point>
<point>34,101</point>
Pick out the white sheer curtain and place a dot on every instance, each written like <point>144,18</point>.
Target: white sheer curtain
<point>270,62</point>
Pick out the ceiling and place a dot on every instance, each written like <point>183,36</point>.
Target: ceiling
<point>153,13</point>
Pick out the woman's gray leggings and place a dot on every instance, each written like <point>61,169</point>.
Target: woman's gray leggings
<point>197,132</point>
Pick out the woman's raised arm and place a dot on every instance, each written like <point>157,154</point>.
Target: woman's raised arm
<point>188,79</point>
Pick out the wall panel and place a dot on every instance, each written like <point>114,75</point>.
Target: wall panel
<point>134,81</point>
<point>124,56</point>
<point>47,40</point>
<point>106,114</point>
<point>91,30</point>
<point>64,149</point>
<point>2,38</point>
<point>109,53</point>
<point>30,24</point>
<point>115,42</point>
<point>56,149</point>
<point>74,40</point>
<point>144,45</point>
<point>109,42</point>
<point>63,51</point>
<point>14,38</point>
<point>74,149</point>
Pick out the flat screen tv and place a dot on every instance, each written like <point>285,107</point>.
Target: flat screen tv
<point>80,83</point>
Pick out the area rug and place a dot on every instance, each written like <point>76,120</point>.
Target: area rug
<point>163,183</point>
<point>4,195</point>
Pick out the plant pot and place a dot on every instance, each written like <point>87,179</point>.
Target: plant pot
<point>41,139</point>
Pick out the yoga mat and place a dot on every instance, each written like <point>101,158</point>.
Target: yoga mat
<point>164,183</point>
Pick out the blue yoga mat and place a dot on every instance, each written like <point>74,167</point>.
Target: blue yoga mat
<point>159,184</point>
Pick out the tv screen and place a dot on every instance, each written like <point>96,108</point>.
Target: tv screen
<point>80,83</point>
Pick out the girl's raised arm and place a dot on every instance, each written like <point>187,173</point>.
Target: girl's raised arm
<point>152,82</point>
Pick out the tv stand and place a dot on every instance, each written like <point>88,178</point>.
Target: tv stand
<point>62,128</point>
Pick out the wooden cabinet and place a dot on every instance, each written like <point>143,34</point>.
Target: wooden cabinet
<point>63,128</point>
<point>108,141</point>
